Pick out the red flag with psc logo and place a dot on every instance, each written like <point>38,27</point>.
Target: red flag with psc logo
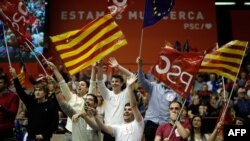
<point>118,6</point>
<point>14,14</point>
<point>177,69</point>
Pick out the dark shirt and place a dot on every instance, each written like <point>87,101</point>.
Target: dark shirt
<point>42,117</point>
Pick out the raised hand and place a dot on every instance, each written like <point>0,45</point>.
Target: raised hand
<point>139,61</point>
<point>99,63</point>
<point>113,62</point>
<point>131,79</point>
<point>76,116</point>
<point>13,72</point>
<point>51,65</point>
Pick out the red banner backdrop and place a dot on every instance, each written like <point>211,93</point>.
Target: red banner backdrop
<point>240,24</point>
<point>192,20</point>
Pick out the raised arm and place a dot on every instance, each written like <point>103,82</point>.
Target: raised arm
<point>63,85</point>
<point>92,86</point>
<point>56,72</point>
<point>146,84</point>
<point>101,86</point>
<point>100,71</point>
<point>114,64</point>
<point>133,103</point>
<point>19,89</point>
<point>214,134</point>
<point>90,120</point>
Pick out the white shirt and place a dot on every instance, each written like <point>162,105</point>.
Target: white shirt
<point>114,104</point>
<point>128,131</point>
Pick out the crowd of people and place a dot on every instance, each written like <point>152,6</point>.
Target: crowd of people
<point>123,106</point>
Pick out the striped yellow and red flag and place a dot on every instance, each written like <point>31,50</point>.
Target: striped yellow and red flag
<point>79,49</point>
<point>21,76</point>
<point>225,61</point>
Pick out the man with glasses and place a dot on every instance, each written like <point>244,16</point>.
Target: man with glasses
<point>175,130</point>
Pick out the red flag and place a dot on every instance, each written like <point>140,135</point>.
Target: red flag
<point>177,69</point>
<point>14,14</point>
<point>117,7</point>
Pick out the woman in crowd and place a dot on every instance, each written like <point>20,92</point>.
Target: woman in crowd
<point>197,132</point>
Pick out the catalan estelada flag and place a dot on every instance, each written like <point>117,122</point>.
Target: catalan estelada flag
<point>80,48</point>
<point>225,61</point>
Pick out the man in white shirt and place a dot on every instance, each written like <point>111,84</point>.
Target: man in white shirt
<point>132,128</point>
<point>116,98</point>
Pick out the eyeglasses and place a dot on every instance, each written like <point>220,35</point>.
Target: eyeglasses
<point>174,108</point>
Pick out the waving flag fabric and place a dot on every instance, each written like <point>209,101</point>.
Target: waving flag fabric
<point>225,61</point>
<point>14,14</point>
<point>177,69</point>
<point>155,10</point>
<point>116,7</point>
<point>80,48</point>
<point>20,76</point>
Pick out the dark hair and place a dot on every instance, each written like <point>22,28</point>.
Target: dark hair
<point>4,77</point>
<point>202,128</point>
<point>86,81</point>
<point>118,77</point>
<point>94,96</point>
<point>175,101</point>
<point>121,79</point>
<point>127,104</point>
<point>42,86</point>
<point>240,119</point>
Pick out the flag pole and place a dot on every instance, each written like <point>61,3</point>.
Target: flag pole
<point>37,58</point>
<point>34,47</point>
<point>6,46</point>
<point>228,100</point>
<point>141,43</point>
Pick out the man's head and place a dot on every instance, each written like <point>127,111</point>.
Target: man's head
<point>128,114</point>
<point>83,87</point>
<point>117,82</point>
<point>41,90</point>
<point>239,121</point>
<point>242,93</point>
<point>3,82</point>
<point>175,107</point>
<point>91,101</point>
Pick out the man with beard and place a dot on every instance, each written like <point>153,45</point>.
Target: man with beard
<point>74,99</point>
<point>84,127</point>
